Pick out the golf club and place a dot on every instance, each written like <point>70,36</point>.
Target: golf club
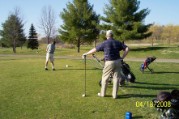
<point>95,64</point>
<point>84,95</point>
<point>98,60</point>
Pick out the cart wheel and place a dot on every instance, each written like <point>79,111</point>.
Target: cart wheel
<point>142,70</point>
<point>109,82</point>
<point>152,71</point>
<point>100,83</point>
<point>121,82</point>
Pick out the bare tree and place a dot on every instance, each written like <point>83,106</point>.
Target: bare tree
<point>47,22</point>
<point>156,32</point>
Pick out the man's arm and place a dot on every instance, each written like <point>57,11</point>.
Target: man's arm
<point>47,48</point>
<point>90,52</point>
<point>125,52</point>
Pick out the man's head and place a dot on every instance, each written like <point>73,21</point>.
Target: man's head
<point>109,34</point>
<point>52,42</point>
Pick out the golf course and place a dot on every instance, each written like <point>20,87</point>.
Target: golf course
<point>27,91</point>
<point>89,59</point>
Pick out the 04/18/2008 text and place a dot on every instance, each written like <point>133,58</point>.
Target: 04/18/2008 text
<point>159,104</point>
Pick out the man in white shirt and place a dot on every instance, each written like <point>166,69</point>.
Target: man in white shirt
<point>50,54</point>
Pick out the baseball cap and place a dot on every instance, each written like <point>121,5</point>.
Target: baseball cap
<point>109,33</point>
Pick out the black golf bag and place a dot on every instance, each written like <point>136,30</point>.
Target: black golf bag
<point>146,64</point>
<point>168,104</point>
<point>126,74</point>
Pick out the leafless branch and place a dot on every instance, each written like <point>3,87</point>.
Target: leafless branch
<point>47,22</point>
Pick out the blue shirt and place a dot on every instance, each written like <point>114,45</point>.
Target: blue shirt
<point>51,48</point>
<point>111,49</point>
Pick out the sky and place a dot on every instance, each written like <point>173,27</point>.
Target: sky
<point>162,12</point>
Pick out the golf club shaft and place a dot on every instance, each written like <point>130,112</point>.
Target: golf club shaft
<point>97,60</point>
<point>85,76</point>
<point>95,64</point>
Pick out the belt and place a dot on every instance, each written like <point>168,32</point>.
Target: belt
<point>113,60</point>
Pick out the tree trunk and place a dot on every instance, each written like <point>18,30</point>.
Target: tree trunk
<point>14,46</point>
<point>78,45</point>
<point>48,39</point>
<point>95,42</point>
<point>14,49</point>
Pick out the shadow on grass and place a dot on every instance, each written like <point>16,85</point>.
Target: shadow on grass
<point>164,72</point>
<point>8,59</point>
<point>155,84</point>
<point>137,117</point>
<point>130,96</point>
<point>169,87</point>
<point>77,69</point>
<point>161,72</point>
<point>149,48</point>
<point>136,96</point>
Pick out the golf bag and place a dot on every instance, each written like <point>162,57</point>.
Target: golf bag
<point>126,73</point>
<point>168,104</point>
<point>146,64</point>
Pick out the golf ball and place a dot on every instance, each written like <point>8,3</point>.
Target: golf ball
<point>66,65</point>
<point>83,95</point>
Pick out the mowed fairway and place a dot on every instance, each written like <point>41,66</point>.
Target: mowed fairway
<point>27,91</point>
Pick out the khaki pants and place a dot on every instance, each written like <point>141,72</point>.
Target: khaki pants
<point>115,67</point>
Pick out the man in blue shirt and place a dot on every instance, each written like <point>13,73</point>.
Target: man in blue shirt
<point>111,49</point>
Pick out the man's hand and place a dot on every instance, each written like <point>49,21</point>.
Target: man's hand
<point>84,55</point>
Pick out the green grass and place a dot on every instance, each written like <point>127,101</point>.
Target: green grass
<point>27,91</point>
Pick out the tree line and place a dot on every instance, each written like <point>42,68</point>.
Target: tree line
<point>81,24</point>
<point>164,34</point>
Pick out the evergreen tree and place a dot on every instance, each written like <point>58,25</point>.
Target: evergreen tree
<point>13,32</point>
<point>125,19</point>
<point>32,39</point>
<point>80,23</point>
